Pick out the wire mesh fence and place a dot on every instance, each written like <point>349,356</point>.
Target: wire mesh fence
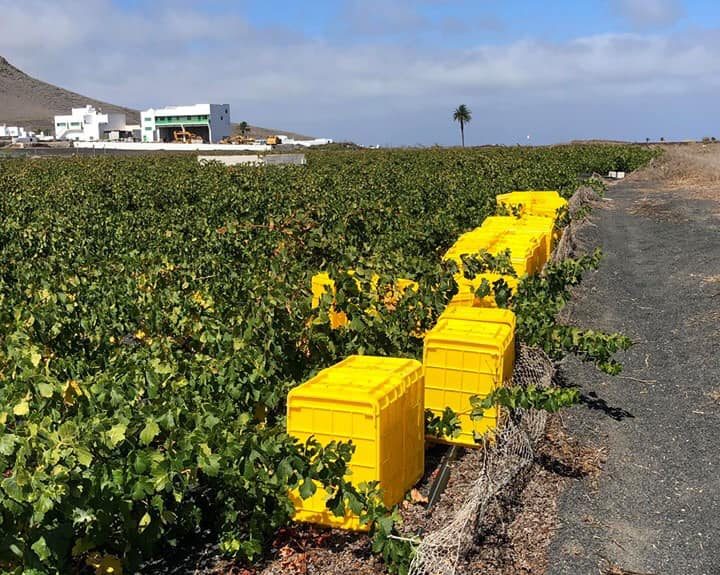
<point>504,459</point>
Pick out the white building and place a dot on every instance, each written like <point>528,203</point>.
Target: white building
<point>12,131</point>
<point>20,135</point>
<point>88,125</point>
<point>211,122</point>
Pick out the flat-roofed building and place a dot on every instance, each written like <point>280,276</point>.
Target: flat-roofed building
<point>87,125</point>
<point>209,122</point>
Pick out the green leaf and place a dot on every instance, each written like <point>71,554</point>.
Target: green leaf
<point>149,432</point>
<point>45,389</point>
<point>385,524</point>
<point>307,488</point>
<point>336,504</point>
<point>84,456</point>
<point>145,520</point>
<point>7,443</point>
<point>41,549</point>
<point>116,434</point>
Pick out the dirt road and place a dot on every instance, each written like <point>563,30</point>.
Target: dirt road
<point>655,509</point>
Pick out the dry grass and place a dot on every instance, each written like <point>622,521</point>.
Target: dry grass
<point>694,168</point>
<point>519,527</point>
<point>654,208</point>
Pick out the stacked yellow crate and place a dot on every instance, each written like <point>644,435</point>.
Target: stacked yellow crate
<point>379,403</point>
<point>533,202</point>
<point>542,225</point>
<point>471,351</point>
<point>375,402</point>
<point>526,255</point>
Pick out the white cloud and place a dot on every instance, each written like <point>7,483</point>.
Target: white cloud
<point>369,92</point>
<point>649,13</point>
<point>380,17</point>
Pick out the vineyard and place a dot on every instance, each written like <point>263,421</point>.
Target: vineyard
<point>154,314</point>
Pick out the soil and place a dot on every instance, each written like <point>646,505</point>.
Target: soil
<point>655,507</point>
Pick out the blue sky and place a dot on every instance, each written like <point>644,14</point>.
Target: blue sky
<point>390,72</point>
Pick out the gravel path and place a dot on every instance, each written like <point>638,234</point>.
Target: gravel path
<point>656,507</point>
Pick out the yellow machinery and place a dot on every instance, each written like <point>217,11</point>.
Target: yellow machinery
<point>238,140</point>
<point>185,137</point>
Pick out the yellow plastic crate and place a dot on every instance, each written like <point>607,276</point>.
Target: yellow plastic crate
<point>462,358</point>
<point>485,315</point>
<point>533,202</point>
<point>525,249</point>
<point>466,290</point>
<point>523,245</point>
<point>377,402</point>
<point>321,283</point>
<point>541,225</point>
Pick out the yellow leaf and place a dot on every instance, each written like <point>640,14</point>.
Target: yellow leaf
<point>144,522</point>
<point>71,391</point>
<point>205,302</point>
<point>104,564</point>
<point>22,408</point>
<point>45,389</point>
<point>35,358</point>
<point>3,417</point>
<point>417,497</point>
<point>93,559</point>
<point>109,565</point>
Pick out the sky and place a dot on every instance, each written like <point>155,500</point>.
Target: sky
<point>390,72</point>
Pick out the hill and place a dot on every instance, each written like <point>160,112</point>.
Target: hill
<point>31,103</point>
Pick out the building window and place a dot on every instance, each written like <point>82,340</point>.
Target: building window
<point>148,128</point>
<point>148,119</point>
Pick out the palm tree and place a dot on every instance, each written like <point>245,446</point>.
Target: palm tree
<point>462,114</point>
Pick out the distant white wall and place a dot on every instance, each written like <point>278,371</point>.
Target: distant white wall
<point>256,160</point>
<point>162,146</point>
<point>306,143</point>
